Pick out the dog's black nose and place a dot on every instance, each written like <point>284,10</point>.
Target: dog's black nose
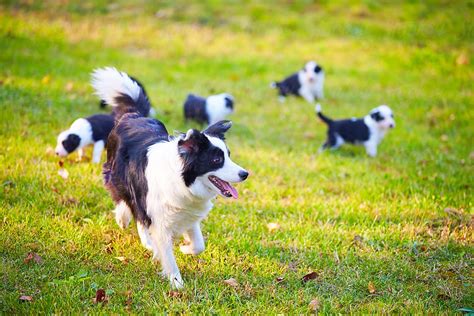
<point>392,126</point>
<point>243,174</point>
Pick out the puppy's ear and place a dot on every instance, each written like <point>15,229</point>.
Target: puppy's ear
<point>71,142</point>
<point>376,116</point>
<point>218,129</point>
<point>229,103</point>
<point>191,142</point>
<point>318,69</point>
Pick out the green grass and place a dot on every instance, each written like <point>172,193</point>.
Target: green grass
<point>402,221</point>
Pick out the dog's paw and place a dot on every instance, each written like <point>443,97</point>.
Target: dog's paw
<point>176,281</point>
<point>188,250</point>
<point>122,217</point>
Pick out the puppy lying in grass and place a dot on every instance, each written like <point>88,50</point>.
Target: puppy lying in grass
<point>367,131</point>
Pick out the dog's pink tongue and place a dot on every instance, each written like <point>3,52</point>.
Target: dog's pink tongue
<point>231,189</point>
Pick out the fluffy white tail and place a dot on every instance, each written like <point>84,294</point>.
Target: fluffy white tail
<point>109,83</point>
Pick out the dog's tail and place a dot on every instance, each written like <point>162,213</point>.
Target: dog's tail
<point>121,92</point>
<point>323,118</point>
<point>274,85</point>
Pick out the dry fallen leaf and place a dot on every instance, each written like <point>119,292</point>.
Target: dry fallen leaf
<point>122,259</point>
<point>26,298</point>
<point>100,296</point>
<point>273,226</point>
<point>232,282</point>
<point>175,294</point>
<point>314,305</point>
<point>69,86</point>
<point>371,288</point>
<point>33,256</point>
<point>309,276</point>
<point>49,150</point>
<point>279,279</point>
<point>462,59</point>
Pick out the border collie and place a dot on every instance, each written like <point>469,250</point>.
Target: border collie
<point>368,131</point>
<point>307,83</point>
<point>92,130</point>
<point>166,183</point>
<point>208,110</point>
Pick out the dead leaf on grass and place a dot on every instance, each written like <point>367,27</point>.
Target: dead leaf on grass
<point>462,59</point>
<point>314,305</point>
<point>25,298</point>
<point>175,294</point>
<point>122,259</point>
<point>100,296</point>
<point>279,279</point>
<point>273,226</point>
<point>310,276</point>
<point>33,256</point>
<point>232,282</point>
<point>371,288</point>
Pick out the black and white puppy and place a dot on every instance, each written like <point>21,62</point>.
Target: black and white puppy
<point>368,131</point>
<point>152,112</point>
<point>166,183</point>
<point>307,83</point>
<point>92,130</point>
<point>208,110</point>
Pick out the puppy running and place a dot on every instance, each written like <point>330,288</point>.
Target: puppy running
<point>368,131</point>
<point>208,110</point>
<point>307,83</point>
<point>166,183</point>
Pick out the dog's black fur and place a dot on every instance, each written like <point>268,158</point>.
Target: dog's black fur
<point>195,108</point>
<point>103,104</point>
<point>124,171</point>
<point>350,130</point>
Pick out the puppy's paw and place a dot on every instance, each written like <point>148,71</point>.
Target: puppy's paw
<point>188,250</point>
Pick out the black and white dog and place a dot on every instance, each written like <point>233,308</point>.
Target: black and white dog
<point>166,183</point>
<point>92,130</point>
<point>307,83</point>
<point>208,110</point>
<point>368,131</point>
<point>95,129</point>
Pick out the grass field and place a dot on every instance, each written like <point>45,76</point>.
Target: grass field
<point>391,234</point>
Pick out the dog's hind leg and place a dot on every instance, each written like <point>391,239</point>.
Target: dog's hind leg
<point>123,214</point>
<point>193,236</point>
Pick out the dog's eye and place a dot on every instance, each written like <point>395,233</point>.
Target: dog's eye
<point>217,160</point>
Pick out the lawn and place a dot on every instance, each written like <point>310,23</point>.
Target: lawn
<point>391,234</point>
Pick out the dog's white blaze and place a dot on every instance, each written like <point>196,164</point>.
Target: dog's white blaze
<point>82,128</point>
<point>216,107</point>
<point>109,83</point>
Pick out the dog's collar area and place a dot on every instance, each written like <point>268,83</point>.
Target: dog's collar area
<point>225,188</point>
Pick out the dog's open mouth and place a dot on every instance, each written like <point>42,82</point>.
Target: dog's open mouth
<point>225,188</point>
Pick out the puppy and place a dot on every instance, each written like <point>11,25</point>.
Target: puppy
<point>307,83</point>
<point>208,110</point>
<point>368,131</point>
<point>166,183</point>
<point>92,130</point>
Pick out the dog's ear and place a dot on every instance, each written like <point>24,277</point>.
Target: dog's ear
<point>318,69</point>
<point>218,129</point>
<point>191,142</point>
<point>376,116</point>
<point>229,103</point>
<point>71,142</point>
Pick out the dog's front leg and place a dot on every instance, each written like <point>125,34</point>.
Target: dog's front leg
<point>307,95</point>
<point>163,251</point>
<point>98,148</point>
<point>196,242</point>
<point>371,149</point>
